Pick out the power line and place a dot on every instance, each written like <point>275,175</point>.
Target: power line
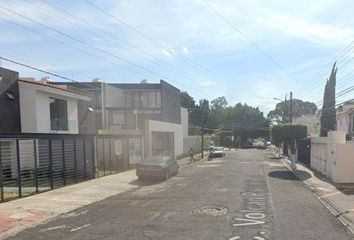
<point>235,28</point>
<point>79,41</point>
<point>85,43</point>
<point>90,86</point>
<point>69,46</point>
<point>242,34</point>
<point>113,38</point>
<point>150,38</point>
<point>39,70</point>
<point>346,78</point>
<point>30,59</point>
<point>339,58</point>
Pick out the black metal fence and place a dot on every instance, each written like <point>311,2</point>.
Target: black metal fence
<point>304,151</point>
<point>31,164</point>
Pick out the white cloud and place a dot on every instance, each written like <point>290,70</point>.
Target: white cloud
<point>308,29</point>
<point>185,50</point>
<point>167,53</point>
<point>182,23</point>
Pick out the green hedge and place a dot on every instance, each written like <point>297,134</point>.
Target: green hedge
<point>287,132</point>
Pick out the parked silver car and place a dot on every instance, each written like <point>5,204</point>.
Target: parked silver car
<point>157,166</point>
<point>218,152</point>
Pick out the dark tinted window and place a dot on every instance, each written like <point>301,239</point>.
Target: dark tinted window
<point>58,114</point>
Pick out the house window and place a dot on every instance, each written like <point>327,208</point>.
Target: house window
<point>128,100</point>
<point>136,99</point>
<point>118,120</point>
<point>58,114</point>
<point>158,99</point>
<point>152,99</point>
<point>145,99</point>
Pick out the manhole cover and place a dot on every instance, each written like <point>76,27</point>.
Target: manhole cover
<point>212,210</point>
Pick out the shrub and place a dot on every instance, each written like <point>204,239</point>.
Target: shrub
<point>287,133</point>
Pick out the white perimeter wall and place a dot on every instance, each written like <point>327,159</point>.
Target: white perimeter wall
<point>343,123</point>
<point>343,164</point>
<point>333,157</point>
<point>176,129</point>
<point>35,112</point>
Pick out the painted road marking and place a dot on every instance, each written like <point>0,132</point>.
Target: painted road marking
<point>147,203</point>
<point>133,203</point>
<point>169,214</point>
<point>52,228</point>
<point>155,215</point>
<point>79,228</point>
<point>253,213</point>
<point>254,237</point>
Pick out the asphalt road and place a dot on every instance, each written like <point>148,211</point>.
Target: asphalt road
<point>246,195</point>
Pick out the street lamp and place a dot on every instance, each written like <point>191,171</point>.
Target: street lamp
<point>277,99</point>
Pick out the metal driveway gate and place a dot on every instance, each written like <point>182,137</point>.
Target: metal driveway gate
<point>33,163</point>
<point>304,150</point>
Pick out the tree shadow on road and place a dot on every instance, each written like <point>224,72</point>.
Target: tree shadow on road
<point>286,175</point>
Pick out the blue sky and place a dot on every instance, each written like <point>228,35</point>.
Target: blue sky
<point>185,43</point>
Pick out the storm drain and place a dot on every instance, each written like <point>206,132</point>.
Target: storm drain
<point>211,210</point>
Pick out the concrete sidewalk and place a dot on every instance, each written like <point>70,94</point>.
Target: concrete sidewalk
<point>20,214</point>
<point>337,198</point>
<point>26,212</point>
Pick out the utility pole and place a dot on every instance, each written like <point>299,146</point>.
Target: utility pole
<point>202,140</point>
<point>291,108</point>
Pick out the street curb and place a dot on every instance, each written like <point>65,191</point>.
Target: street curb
<point>348,224</point>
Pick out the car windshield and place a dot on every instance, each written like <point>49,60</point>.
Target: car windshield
<point>154,159</point>
<point>217,149</point>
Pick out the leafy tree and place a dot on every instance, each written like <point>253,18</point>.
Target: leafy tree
<point>240,121</point>
<point>246,122</point>
<point>187,101</point>
<point>219,103</point>
<point>217,110</point>
<point>281,112</point>
<point>287,134</point>
<point>328,117</point>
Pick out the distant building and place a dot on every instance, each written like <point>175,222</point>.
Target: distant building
<point>142,118</point>
<point>312,122</point>
<point>345,117</point>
